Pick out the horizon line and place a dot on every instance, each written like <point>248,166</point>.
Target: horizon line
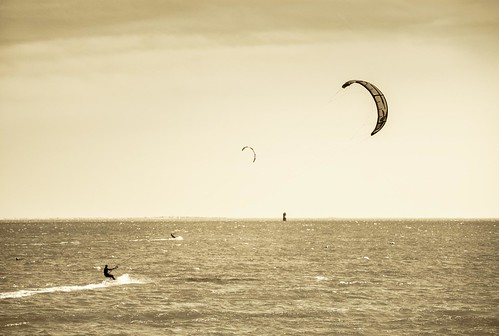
<point>156,218</point>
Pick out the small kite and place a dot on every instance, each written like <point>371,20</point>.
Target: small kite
<point>254,153</point>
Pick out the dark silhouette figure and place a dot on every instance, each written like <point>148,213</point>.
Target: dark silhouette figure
<point>283,216</point>
<point>107,270</point>
<point>173,236</point>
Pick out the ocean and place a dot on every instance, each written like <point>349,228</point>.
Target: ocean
<point>249,277</point>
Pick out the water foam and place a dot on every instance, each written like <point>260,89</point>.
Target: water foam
<point>124,279</point>
<point>168,238</point>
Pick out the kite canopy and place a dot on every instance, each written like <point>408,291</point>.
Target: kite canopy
<point>254,153</point>
<point>379,99</point>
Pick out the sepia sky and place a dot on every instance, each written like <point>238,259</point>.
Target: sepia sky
<point>120,108</point>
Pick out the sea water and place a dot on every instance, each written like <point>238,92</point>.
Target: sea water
<point>249,277</point>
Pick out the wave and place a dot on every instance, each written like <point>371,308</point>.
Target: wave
<point>124,279</point>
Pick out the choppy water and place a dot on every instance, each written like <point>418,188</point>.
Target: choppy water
<point>250,278</point>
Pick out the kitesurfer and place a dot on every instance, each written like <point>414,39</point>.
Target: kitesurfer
<point>107,270</point>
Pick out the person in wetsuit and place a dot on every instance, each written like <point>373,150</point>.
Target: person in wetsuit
<point>107,270</point>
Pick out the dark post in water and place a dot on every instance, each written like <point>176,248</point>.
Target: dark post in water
<point>283,216</point>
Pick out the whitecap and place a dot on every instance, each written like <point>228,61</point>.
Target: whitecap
<point>15,324</point>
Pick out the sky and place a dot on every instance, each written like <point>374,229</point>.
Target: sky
<point>141,109</point>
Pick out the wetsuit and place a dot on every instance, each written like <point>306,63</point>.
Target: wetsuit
<point>107,274</point>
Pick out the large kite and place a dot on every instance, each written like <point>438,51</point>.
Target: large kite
<point>379,99</point>
<point>254,153</point>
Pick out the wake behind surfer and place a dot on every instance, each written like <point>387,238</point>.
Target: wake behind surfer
<point>107,270</point>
